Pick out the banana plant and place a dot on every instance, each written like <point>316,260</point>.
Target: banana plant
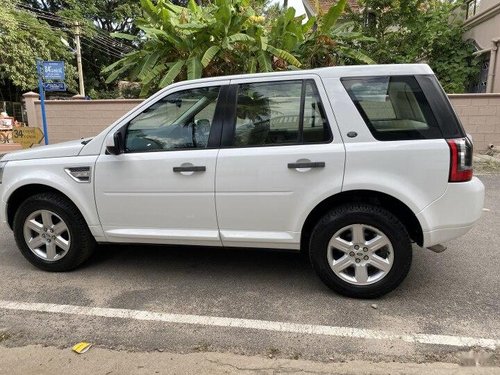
<point>222,37</point>
<point>333,42</point>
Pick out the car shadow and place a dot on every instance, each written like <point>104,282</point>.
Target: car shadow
<point>207,269</point>
<point>205,261</point>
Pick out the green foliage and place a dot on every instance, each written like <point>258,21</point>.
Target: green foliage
<point>331,17</point>
<point>108,15</point>
<point>23,38</point>
<point>229,37</point>
<point>98,18</point>
<point>330,43</point>
<point>430,31</point>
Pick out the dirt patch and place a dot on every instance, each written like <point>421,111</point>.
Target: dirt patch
<point>4,336</point>
<point>487,163</point>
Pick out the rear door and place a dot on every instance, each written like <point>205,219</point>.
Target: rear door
<point>281,154</point>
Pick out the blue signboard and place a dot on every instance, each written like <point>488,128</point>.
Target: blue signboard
<point>53,70</point>
<point>54,86</point>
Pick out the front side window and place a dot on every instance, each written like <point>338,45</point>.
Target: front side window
<point>394,108</point>
<point>179,121</point>
<point>279,113</point>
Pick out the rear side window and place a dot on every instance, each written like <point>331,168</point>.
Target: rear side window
<point>394,108</point>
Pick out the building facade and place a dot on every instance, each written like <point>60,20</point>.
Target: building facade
<point>482,20</point>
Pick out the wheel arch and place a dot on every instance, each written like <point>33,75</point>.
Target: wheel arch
<point>18,196</point>
<point>393,205</point>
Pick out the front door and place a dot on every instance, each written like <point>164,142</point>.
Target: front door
<point>161,189</point>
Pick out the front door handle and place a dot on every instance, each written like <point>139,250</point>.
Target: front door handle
<point>191,168</point>
<point>309,164</point>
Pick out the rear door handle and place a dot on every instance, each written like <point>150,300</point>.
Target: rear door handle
<point>311,164</point>
<point>191,168</point>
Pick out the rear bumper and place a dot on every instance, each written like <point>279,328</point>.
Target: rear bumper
<point>438,236</point>
<point>454,213</point>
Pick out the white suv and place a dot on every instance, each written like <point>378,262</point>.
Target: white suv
<point>349,164</point>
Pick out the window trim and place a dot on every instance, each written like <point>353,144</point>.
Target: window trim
<point>301,112</point>
<point>443,111</point>
<point>229,126</point>
<point>215,129</point>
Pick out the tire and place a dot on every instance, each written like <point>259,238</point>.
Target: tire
<point>370,272</point>
<point>67,242</point>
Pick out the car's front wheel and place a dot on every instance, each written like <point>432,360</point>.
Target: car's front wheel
<point>361,250</point>
<point>51,233</point>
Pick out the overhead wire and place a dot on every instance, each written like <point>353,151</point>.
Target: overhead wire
<point>88,42</point>
<point>36,10</point>
<point>102,38</point>
<point>114,43</point>
<point>84,40</point>
<point>103,44</point>
<point>27,28</point>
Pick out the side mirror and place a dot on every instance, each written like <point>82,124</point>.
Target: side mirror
<point>114,144</point>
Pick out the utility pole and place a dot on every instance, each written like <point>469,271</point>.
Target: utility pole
<point>79,60</point>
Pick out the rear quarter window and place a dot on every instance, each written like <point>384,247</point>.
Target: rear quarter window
<point>393,108</point>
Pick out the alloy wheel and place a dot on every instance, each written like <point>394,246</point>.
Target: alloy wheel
<point>360,254</point>
<point>47,235</point>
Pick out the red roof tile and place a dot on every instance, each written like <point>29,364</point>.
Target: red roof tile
<point>326,4</point>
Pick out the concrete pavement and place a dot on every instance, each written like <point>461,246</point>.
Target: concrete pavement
<point>35,360</point>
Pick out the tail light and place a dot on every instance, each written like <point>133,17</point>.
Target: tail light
<point>460,159</point>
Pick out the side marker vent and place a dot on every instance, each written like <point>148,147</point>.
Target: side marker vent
<point>79,174</point>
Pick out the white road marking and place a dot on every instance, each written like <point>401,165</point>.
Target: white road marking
<point>264,325</point>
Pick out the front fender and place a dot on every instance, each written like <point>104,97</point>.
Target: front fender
<point>50,172</point>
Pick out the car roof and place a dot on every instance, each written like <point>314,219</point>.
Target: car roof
<point>329,72</point>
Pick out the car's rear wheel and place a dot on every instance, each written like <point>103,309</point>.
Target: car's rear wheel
<point>360,250</point>
<point>51,233</point>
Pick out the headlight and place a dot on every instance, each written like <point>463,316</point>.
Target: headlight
<point>2,166</point>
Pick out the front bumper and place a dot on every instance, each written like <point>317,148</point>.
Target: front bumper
<point>454,213</point>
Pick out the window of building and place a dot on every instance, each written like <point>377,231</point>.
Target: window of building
<point>472,7</point>
<point>479,83</point>
<point>369,18</point>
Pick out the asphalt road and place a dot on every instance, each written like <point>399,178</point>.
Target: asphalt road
<point>454,293</point>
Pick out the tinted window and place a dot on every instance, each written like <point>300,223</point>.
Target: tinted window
<point>279,113</point>
<point>179,121</point>
<point>394,108</point>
